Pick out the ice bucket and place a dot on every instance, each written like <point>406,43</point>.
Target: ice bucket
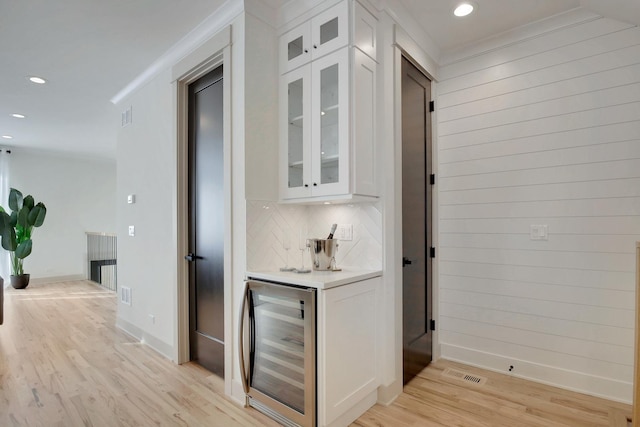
<point>323,252</point>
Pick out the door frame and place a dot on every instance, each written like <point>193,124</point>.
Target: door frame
<point>213,53</point>
<point>403,45</point>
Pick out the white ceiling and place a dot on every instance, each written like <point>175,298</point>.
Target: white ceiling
<point>89,50</point>
<point>490,17</point>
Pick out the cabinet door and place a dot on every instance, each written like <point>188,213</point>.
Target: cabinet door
<point>365,30</point>
<point>330,124</point>
<point>364,166</point>
<point>295,48</point>
<point>295,148</point>
<point>348,352</point>
<point>330,30</point>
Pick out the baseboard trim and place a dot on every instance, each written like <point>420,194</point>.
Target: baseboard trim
<point>388,393</point>
<point>237,393</point>
<point>580,382</point>
<point>158,345</point>
<point>355,411</point>
<point>57,279</point>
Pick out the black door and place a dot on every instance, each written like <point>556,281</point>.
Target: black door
<point>206,225</point>
<point>416,219</point>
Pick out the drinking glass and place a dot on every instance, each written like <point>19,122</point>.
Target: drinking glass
<point>303,244</point>
<point>286,244</point>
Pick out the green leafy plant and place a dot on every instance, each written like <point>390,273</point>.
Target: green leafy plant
<point>16,228</point>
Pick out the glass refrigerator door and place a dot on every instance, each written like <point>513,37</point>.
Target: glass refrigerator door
<point>282,355</point>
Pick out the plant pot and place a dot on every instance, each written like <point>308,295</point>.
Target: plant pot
<point>20,282</point>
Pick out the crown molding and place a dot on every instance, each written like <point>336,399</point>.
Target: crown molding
<point>215,22</point>
<point>529,31</point>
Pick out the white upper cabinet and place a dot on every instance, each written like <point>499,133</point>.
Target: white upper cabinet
<point>364,31</point>
<point>327,107</point>
<point>330,124</point>
<point>295,111</point>
<point>317,37</point>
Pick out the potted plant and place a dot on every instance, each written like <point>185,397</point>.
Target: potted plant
<point>16,230</point>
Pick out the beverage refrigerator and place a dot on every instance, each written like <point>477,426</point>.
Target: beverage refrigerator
<point>277,349</point>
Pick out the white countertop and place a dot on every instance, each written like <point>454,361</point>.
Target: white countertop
<point>316,279</point>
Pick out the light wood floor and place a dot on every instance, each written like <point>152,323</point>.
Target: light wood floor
<point>63,363</point>
<point>431,399</point>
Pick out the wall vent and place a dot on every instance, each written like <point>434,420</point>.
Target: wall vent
<point>126,117</point>
<point>464,376</point>
<point>125,295</point>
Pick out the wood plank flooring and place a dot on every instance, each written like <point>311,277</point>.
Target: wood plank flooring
<point>432,399</point>
<point>64,363</point>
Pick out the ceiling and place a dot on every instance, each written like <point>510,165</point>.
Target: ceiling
<point>89,50</point>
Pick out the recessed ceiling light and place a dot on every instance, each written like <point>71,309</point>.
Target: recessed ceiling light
<point>463,9</point>
<point>18,116</point>
<point>7,136</point>
<point>38,80</point>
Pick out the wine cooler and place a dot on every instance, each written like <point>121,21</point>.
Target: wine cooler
<point>278,351</point>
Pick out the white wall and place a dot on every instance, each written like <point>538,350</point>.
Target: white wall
<point>147,167</point>
<point>146,159</point>
<point>542,131</point>
<point>80,196</point>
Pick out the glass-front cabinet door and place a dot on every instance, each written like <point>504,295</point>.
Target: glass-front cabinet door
<point>295,48</point>
<point>329,30</point>
<point>330,127</point>
<point>321,35</point>
<point>295,153</point>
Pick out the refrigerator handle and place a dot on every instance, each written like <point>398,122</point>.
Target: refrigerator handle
<point>243,309</point>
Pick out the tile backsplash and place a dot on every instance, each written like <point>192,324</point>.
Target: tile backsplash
<point>269,224</point>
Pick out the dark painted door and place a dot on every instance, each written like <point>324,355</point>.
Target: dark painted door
<point>206,225</point>
<point>416,220</point>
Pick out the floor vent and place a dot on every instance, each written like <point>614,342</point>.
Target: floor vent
<point>464,376</point>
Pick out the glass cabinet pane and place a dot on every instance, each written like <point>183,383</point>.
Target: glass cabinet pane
<point>294,48</point>
<point>329,127</point>
<point>329,30</point>
<point>295,133</point>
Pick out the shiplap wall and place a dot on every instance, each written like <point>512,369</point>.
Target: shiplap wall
<point>545,130</point>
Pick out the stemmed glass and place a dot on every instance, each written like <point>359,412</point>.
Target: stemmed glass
<point>286,244</point>
<point>303,244</point>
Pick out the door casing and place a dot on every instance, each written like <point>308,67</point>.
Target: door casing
<point>213,53</point>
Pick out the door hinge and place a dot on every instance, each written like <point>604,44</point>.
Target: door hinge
<point>432,179</point>
<point>432,252</point>
<point>432,106</point>
<point>432,325</point>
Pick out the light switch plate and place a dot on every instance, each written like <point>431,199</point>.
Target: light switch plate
<point>132,230</point>
<point>131,198</point>
<point>539,232</point>
<point>344,232</point>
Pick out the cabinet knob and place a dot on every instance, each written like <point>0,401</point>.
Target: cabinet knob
<point>306,51</point>
<point>315,184</point>
<point>315,46</point>
<point>306,185</point>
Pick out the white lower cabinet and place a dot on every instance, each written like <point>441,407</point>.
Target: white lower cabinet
<point>347,346</point>
<point>347,358</point>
